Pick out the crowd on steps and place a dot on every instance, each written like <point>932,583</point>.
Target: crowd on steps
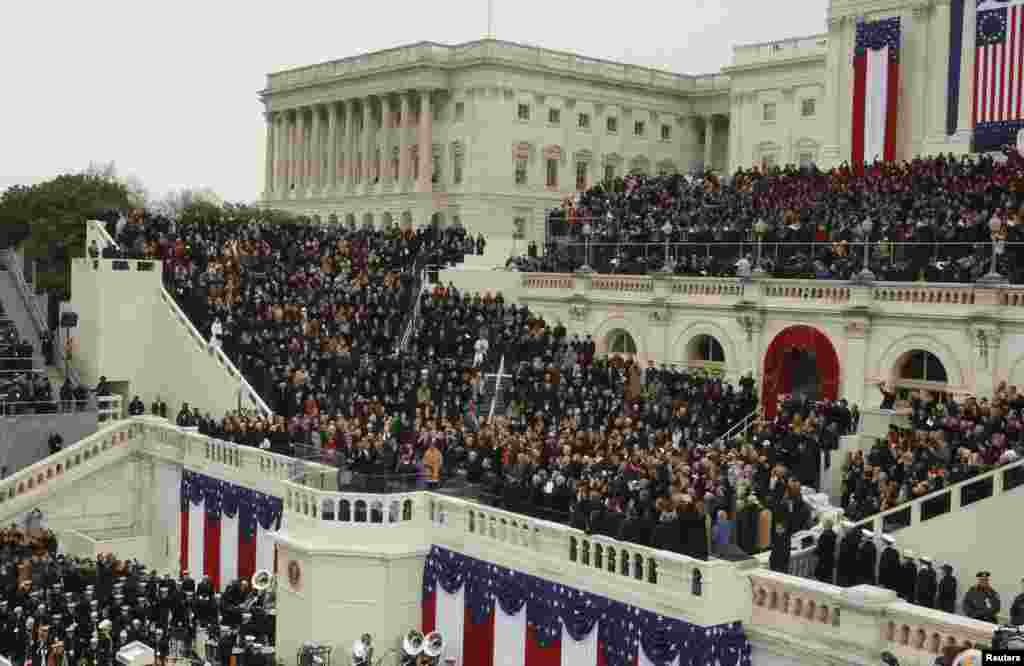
<point>930,219</point>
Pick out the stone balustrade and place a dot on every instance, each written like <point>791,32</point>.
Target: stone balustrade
<point>954,299</point>
<point>773,606</point>
<point>870,617</point>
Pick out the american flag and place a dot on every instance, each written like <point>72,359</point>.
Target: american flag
<point>999,62</point>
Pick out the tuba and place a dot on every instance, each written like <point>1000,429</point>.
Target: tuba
<point>262,580</point>
<point>413,643</point>
<point>433,646</point>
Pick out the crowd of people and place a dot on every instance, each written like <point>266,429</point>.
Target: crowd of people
<point>59,610</point>
<point>930,219</point>
<point>948,442</point>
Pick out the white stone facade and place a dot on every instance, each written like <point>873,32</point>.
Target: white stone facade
<point>492,133</point>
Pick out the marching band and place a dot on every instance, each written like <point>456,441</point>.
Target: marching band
<point>61,611</point>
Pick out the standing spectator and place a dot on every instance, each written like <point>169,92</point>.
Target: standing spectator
<point>55,443</point>
<point>982,602</point>
<point>217,332</point>
<point>432,462</point>
<point>825,550</point>
<point>1017,608</point>
<point>480,352</point>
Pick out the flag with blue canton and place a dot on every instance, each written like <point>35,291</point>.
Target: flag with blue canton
<point>998,104</point>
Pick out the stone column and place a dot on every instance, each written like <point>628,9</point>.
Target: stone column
<point>709,137</point>
<point>316,153</point>
<point>289,175</point>
<point>920,113</point>
<point>281,149</point>
<point>965,108</point>
<point>330,180</point>
<point>351,154</point>
<point>302,140</point>
<point>384,139</point>
<point>404,164</point>
<point>425,142</point>
<point>939,72</point>
<point>736,133</point>
<point>858,330</point>
<point>838,60</point>
<point>268,186</point>
<point>367,144</point>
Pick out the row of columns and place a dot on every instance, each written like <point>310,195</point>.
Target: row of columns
<point>335,147</point>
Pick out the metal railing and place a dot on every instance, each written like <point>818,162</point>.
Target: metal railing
<point>497,388</point>
<point>880,250</point>
<point>742,428</point>
<point>16,267</point>
<point>107,408</point>
<point>946,500</point>
<point>216,352</point>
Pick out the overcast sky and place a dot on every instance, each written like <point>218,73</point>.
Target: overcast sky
<point>168,90</point>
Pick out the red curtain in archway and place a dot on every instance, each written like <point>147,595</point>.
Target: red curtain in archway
<point>777,380</point>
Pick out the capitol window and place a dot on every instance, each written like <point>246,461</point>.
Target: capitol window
<point>523,112</point>
<point>639,128</point>
<point>552,180</point>
<point>460,111</point>
<point>581,175</point>
<point>521,171</point>
<point>613,125</point>
<point>609,172</point>
<point>457,169</point>
<point>584,121</point>
<point>554,116</point>
<point>768,112</point>
<point>807,107</point>
<point>666,133</point>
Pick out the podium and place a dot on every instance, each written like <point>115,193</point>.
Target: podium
<point>136,654</point>
<point>876,422</point>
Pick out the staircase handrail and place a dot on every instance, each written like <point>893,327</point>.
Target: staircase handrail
<point>105,236</point>
<point>403,344</point>
<point>743,425</point>
<point>16,266</point>
<point>497,388</point>
<point>217,352</point>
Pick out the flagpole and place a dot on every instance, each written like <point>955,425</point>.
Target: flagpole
<point>490,19</point>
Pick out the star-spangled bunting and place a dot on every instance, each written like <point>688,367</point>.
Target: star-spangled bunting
<point>550,607</point>
<point>877,35</point>
<point>253,508</point>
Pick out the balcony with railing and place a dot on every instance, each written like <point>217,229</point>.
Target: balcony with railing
<point>786,49</point>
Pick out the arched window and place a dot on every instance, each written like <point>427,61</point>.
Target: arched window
<point>919,370</point>
<point>621,342</point>
<point>704,349</point>
<point>923,366</point>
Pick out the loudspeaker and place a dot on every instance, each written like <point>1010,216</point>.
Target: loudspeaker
<point>69,320</point>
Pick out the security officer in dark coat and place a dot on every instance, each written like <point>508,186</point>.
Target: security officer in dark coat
<point>889,569</point>
<point>849,551</point>
<point>927,584</point>
<point>946,600</point>
<point>982,602</point>
<point>908,578</point>
<point>867,560</point>
<point>825,550</point>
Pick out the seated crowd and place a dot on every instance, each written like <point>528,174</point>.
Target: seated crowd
<point>948,442</point>
<point>930,221</point>
<point>298,307</point>
<point>56,609</point>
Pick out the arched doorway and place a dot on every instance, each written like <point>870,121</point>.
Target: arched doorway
<point>919,370</point>
<point>387,220</point>
<point>800,359</point>
<point>620,343</point>
<point>368,221</point>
